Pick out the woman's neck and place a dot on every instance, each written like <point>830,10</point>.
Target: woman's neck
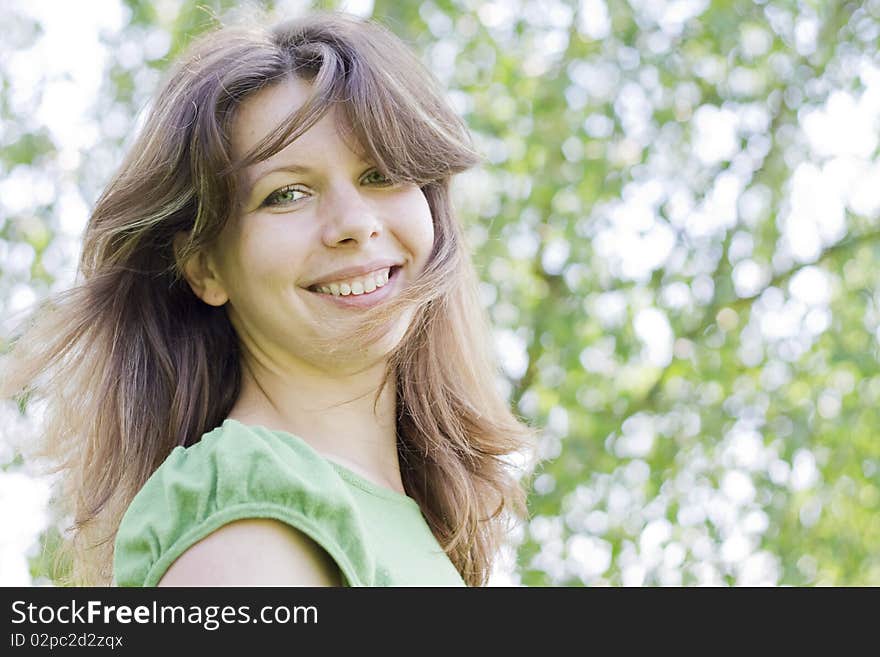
<point>332,414</point>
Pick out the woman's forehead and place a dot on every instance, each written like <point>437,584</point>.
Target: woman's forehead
<point>262,113</point>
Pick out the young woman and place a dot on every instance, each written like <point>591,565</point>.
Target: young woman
<point>274,368</point>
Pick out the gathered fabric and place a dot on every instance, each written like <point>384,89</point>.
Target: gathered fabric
<point>376,536</point>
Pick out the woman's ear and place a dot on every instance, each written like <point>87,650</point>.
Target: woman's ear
<point>200,273</point>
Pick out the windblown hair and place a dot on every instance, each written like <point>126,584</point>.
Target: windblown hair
<point>130,363</point>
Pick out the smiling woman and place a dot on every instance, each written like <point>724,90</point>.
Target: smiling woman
<point>344,229</point>
<point>274,368</point>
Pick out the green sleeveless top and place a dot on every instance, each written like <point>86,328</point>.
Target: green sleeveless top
<point>376,536</point>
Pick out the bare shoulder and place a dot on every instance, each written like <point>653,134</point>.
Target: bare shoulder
<point>254,552</point>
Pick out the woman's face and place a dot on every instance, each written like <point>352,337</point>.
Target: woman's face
<point>312,210</point>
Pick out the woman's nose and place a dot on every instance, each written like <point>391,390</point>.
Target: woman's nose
<point>350,217</point>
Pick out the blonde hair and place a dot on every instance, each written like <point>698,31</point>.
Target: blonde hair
<point>130,363</point>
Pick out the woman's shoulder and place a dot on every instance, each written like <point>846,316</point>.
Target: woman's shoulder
<point>233,439</point>
<point>235,464</point>
<point>235,472</point>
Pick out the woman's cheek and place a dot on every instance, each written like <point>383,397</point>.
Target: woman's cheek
<point>417,224</point>
<point>267,255</point>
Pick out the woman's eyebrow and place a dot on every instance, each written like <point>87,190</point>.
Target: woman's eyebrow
<point>291,167</point>
<point>259,175</point>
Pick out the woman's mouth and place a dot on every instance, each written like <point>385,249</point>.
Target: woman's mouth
<point>356,294</point>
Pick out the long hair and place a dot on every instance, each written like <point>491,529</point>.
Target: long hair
<point>130,363</point>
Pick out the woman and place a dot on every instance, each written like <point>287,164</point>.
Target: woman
<point>275,368</point>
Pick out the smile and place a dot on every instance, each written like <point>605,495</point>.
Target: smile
<point>356,286</point>
<point>362,292</point>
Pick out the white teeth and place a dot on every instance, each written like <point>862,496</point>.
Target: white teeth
<point>357,287</point>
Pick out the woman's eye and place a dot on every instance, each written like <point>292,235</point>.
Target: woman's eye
<point>382,179</point>
<point>283,196</point>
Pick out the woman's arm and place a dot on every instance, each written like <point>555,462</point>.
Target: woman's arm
<point>254,552</point>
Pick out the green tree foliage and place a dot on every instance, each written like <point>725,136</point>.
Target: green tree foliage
<point>675,231</point>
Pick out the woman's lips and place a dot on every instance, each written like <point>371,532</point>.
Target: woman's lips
<point>367,299</point>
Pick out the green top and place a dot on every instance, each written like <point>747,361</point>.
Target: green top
<point>376,536</point>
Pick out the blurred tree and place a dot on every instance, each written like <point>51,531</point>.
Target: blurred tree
<point>675,231</point>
